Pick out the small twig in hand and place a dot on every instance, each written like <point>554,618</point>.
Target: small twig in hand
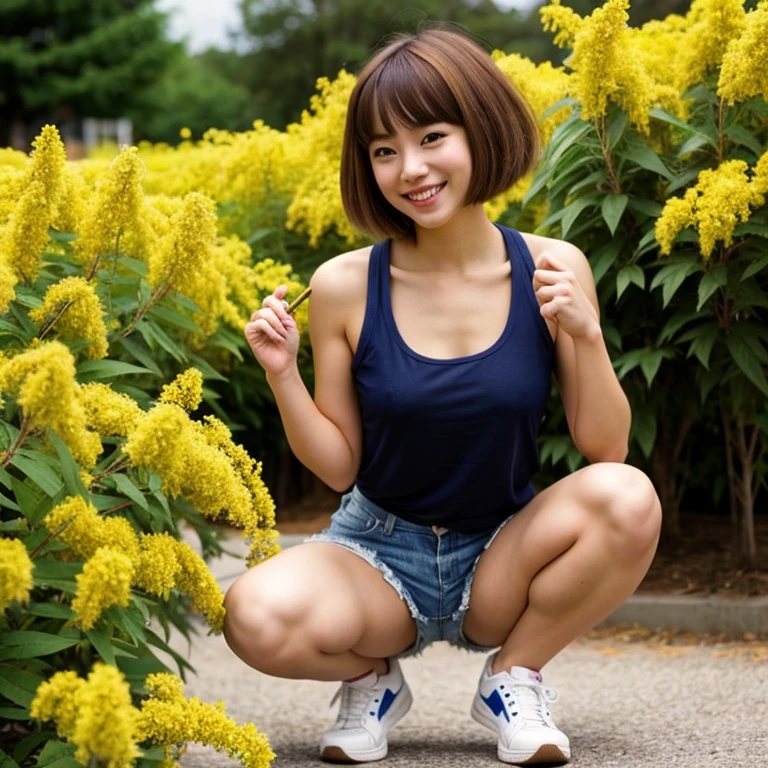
<point>294,305</point>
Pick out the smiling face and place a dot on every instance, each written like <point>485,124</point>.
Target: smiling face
<point>423,171</point>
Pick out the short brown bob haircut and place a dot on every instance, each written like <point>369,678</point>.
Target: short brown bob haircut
<point>435,76</point>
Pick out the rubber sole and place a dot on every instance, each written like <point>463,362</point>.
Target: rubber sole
<point>546,753</point>
<point>336,754</point>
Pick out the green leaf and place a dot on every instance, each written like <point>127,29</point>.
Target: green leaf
<point>27,744</point>
<point>644,429</point>
<point>645,157</point>
<point>564,137</point>
<point>13,713</point>
<point>616,125</point>
<point>50,610</point>
<point>134,265</point>
<point>39,473</point>
<point>745,358</point>
<point>612,208</point>
<point>127,488</point>
<point>648,207</point>
<point>55,751</point>
<point>691,144</point>
<point>755,267</point>
<point>142,355</point>
<point>208,371</point>
<point>675,323</point>
<point>102,642</point>
<point>69,467</point>
<point>18,685</point>
<point>91,370</point>
<point>6,761</point>
<point>740,135</point>
<point>603,259</point>
<point>159,336</point>
<point>174,318</point>
<point>28,644</point>
<point>671,277</point>
<point>702,339</point>
<point>574,209</point>
<point>631,273</point>
<point>684,178</point>
<point>751,228</point>
<point>711,281</point>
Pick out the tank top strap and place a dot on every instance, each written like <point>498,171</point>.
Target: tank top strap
<point>378,281</point>
<point>523,266</point>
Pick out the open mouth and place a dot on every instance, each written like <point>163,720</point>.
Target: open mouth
<point>426,194</point>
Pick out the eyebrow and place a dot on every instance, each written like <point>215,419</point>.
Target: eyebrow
<point>381,136</point>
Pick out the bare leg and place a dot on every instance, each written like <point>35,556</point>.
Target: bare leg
<point>316,611</point>
<point>563,564</point>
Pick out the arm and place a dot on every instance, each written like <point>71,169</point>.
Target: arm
<point>596,407</point>
<point>324,433</point>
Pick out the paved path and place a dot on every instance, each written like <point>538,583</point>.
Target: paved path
<point>623,706</point>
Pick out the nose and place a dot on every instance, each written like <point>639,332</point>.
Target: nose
<point>413,167</point>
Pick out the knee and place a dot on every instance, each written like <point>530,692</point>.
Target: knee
<point>627,504</point>
<point>261,626</point>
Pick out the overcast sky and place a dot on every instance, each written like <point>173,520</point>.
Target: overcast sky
<point>205,23</point>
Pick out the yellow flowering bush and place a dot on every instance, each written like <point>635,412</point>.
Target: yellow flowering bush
<point>120,309</point>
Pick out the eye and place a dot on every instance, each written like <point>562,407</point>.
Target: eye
<point>432,137</point>
<point>382,152</point>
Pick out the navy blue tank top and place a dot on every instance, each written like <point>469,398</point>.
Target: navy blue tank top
<point>452,442</point>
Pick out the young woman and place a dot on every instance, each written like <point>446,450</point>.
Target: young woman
<point>433,353</point>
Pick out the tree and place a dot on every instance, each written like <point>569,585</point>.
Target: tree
<point>85,57</point>
<point>190,95</point>
<point>295,42</point>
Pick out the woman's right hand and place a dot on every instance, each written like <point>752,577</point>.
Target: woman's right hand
<point>272,334</point>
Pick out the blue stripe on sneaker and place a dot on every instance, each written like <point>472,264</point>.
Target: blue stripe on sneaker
<point>496,704</point>
<point>386,701</point>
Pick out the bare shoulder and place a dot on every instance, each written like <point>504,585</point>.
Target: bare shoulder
<point>567,252</point>
<point>339,291</point>
<point>343,278</point>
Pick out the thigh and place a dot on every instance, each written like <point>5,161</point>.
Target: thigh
<point>337,598</point>
<point>615,502</point>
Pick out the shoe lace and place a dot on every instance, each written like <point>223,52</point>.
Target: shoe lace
<point>534,699</point>
<point>354,701</point>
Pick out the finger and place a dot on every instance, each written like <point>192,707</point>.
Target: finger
<point>549,276</point>
<point>550,308</point>
<point>275,322</point>
<point>262,328</point>
<point>280,292</point>
<point>548,292</point>
<point>278,306</point>
<point>548,261</point>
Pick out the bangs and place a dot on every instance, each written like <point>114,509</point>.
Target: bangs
<point>408,91</point>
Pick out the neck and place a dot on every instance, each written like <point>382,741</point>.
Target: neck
<point>468,240</point>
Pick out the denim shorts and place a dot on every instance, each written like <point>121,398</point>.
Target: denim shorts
<point>431,568</point>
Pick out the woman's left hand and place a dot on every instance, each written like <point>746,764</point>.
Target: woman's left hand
<point>562,299</point>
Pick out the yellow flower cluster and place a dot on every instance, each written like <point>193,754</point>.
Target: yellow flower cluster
<point>744,72</point>
<point>15,573</point>
<point>43,380</point>
<point>170,444</point>
<point>316,206</point>
<point>81,314</point>
<point>720,199</point>
<point>104,582</point>
<point>183,257</point>
<point>108,412</point>
<point>94,714</point>
<point>186,390</point>
<point>168,718</point>
<point>607,62</point>
<point>24,235</point>
<point>116,209</point>
<point>156,563</point>
<point>711,25</point>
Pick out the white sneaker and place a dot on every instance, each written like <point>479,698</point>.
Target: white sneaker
<point>515,705</point>
<point>369,708</point>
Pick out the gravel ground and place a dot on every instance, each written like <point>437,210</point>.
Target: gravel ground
<point>623,706</point>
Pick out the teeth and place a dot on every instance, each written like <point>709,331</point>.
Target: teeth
<point>427,194</point>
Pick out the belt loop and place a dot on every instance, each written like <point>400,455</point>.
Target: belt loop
<point>389,524</point>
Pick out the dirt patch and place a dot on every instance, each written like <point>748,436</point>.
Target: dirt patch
<point>700,563</point>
